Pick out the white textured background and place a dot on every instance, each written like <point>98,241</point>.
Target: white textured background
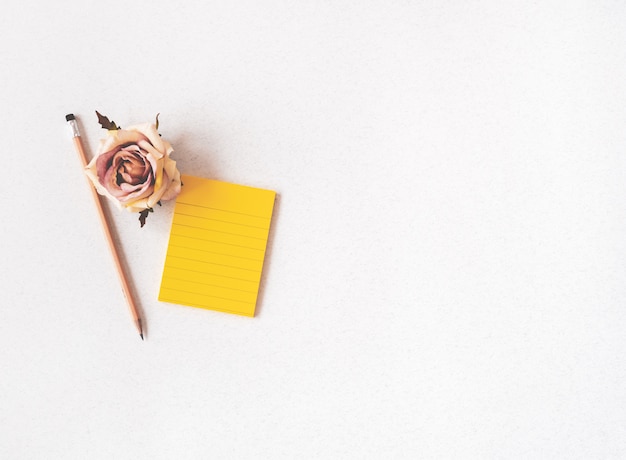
<point>446,274</point>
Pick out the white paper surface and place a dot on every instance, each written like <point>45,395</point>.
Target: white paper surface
<point>445,273</point>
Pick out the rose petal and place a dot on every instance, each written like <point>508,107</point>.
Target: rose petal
<point>158,194</point>
<point>174,176</point>
<point>118,138</point>
<point>150,133</point>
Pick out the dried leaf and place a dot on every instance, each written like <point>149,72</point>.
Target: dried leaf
<point>157,121</point>
<point>143,215</point>
<point>105,122</point>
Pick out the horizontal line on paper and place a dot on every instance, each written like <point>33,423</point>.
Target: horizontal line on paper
<point>226,210</point>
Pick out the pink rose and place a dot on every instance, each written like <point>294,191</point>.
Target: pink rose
<point>133,168</point>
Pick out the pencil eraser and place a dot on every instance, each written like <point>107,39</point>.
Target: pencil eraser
<point>69,116</point>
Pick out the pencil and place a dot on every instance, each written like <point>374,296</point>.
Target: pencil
<point>71,120</point>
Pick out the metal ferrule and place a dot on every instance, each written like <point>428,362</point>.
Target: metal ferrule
<point>74,128</point>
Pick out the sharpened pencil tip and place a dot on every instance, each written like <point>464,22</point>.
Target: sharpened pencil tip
<point>141,335</point>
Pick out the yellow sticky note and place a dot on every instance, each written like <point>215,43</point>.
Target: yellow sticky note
<point>217,246</point>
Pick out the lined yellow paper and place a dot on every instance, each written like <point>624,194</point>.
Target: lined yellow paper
<point>217,246</point>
